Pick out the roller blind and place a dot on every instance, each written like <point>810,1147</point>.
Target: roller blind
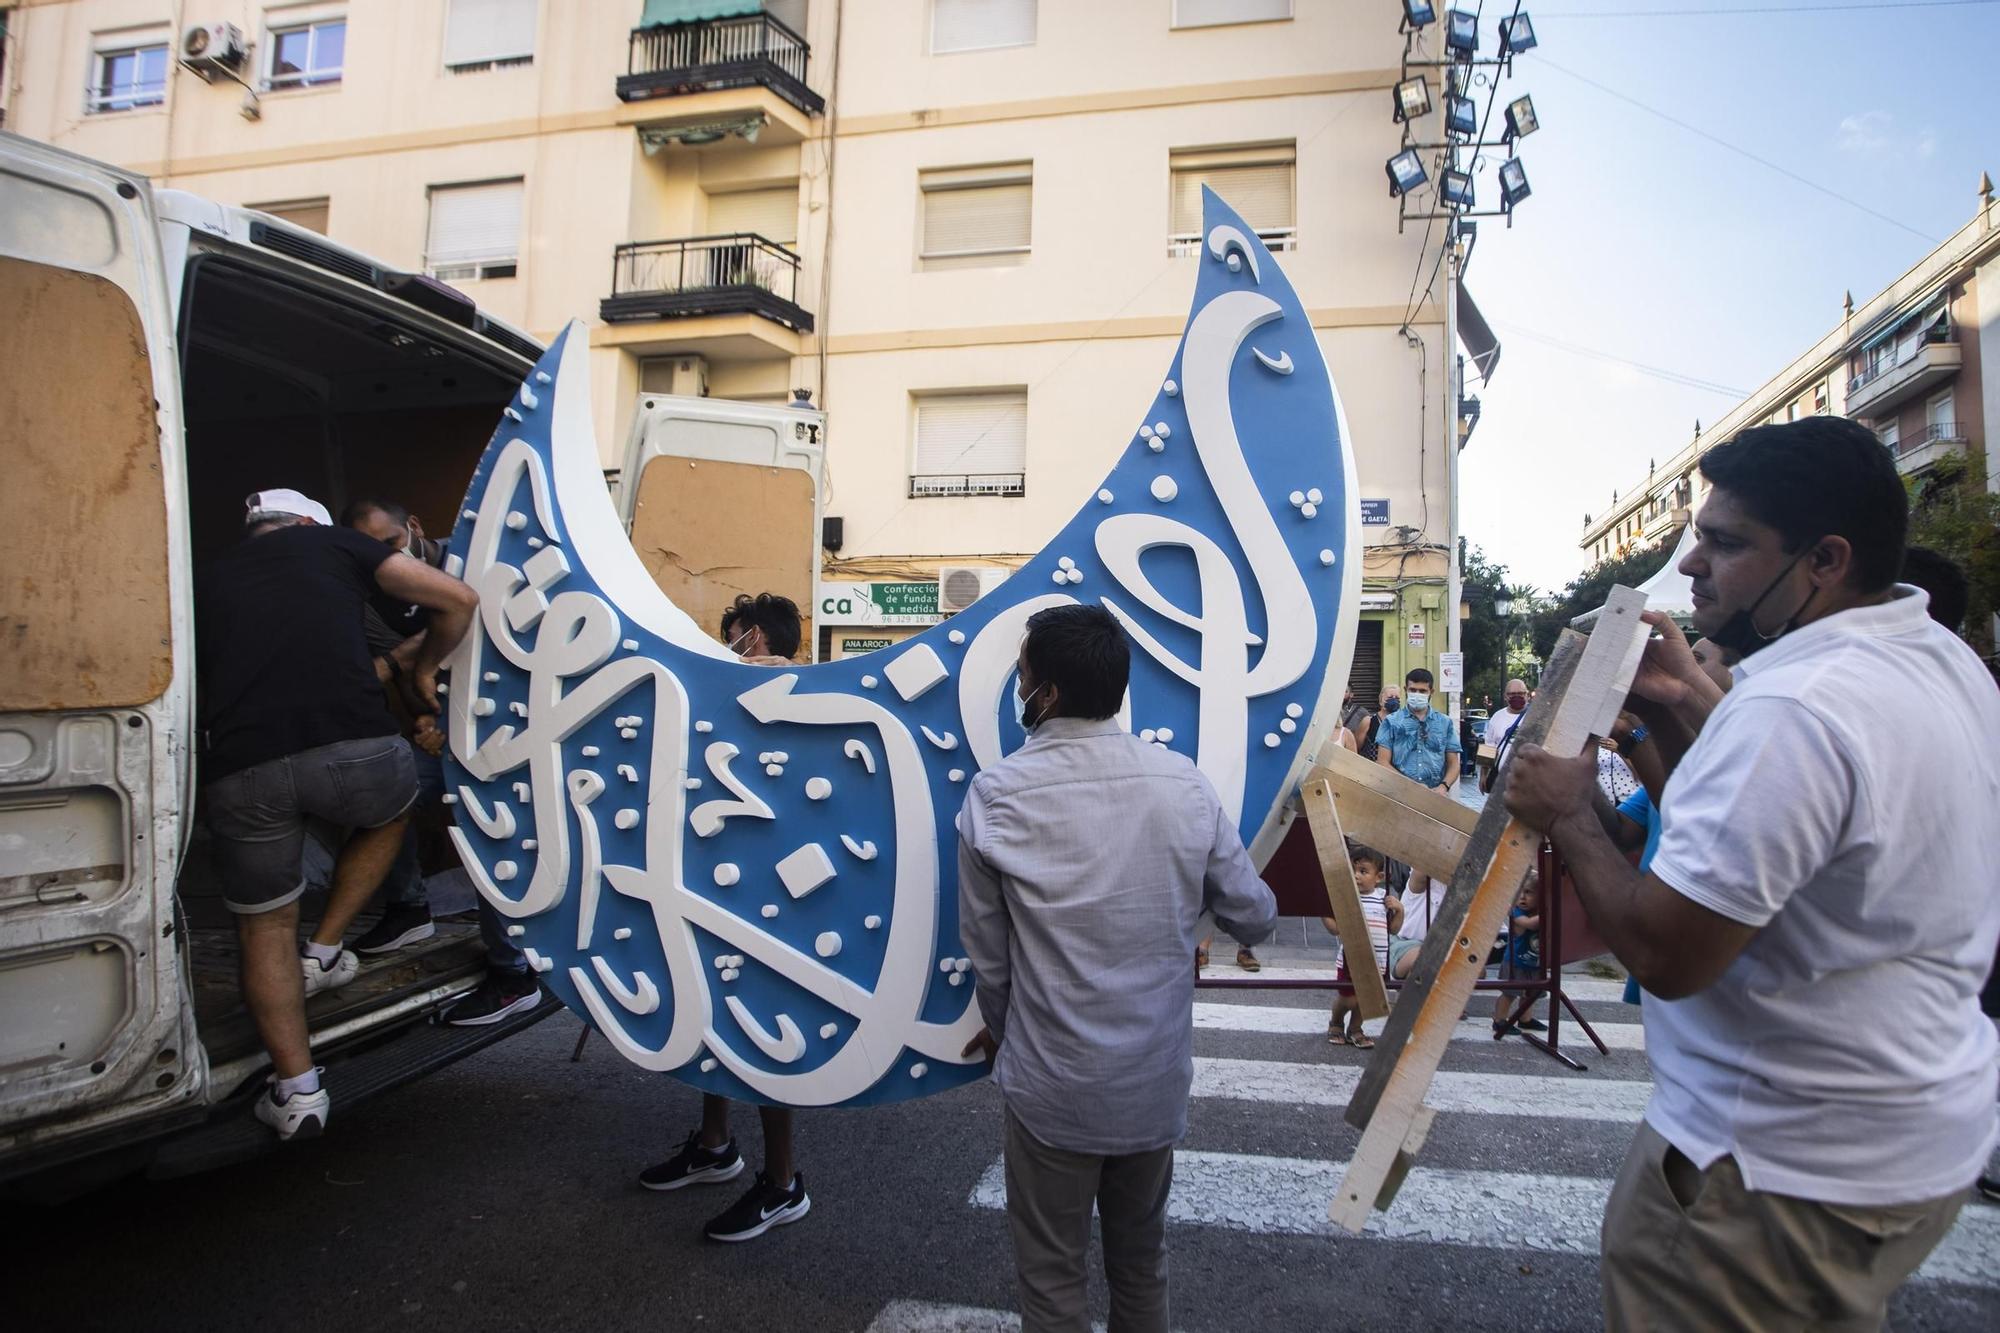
<point>977,211</point>
<point>772,214</point>
<point>972,25</point>
<point>1209,13</point>
<point>691,11</point>
<point>1256,182</point>
<point>473,224</point>
<point>308,213</point>
<point>982,434</point>
<point>479,32</point>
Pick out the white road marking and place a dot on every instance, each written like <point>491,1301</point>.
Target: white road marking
<point>1579,988</point>
<point>1581,1098</point>
<point>935,1317</point>
<point>1287,1196</point>
<point>1312,1022</point>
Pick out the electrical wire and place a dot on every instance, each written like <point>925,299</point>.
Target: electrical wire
<point>1657,372</point>
<point>1765,162</point>
<point>1734,10</point>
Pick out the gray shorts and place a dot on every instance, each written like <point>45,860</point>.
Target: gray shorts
<point>1399,948</point>
<point>258,814</point>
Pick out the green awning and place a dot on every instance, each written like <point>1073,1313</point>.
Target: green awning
<point>660,12</point>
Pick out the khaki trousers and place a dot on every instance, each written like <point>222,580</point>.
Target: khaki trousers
<point>1050,1193</point>
<point>1686,1249</point>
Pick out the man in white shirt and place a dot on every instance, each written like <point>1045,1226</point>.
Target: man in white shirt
<point>1500,726</point>
<point>1818,920</point>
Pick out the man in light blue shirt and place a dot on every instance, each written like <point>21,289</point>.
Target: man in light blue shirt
<point>1085,861</point>
<point>1418,741</point>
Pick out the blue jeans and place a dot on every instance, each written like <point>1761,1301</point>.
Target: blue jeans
<point>405,881</point>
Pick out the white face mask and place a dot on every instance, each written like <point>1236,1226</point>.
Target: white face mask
<point>1021,709</point>
<point>1418,703</point>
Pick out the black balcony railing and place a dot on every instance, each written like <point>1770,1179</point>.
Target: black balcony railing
<point>753,50</point>
<point>741,273</point>
<point>1938,432</point>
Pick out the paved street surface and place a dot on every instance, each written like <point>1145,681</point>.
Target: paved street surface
<point>500,1195</point>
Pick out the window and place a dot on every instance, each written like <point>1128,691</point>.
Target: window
<point>1889,435</point>
<point>1212,13</point>
<point>307,213</point>
<point>971,444</point>
<point>1819,399</point>
<point>129,70</point>
<point>1941,415</point>
<point>305,47</point>
<point>772,214</point>
<point>488,34</point>
<point>976,217</point>
<point>980,25</point>
<point>1255,181</point>
<point>475,231</point>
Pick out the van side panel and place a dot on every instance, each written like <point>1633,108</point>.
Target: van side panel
<point>85,600</point>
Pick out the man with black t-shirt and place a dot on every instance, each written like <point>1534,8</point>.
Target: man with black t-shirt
<point>293,726</point>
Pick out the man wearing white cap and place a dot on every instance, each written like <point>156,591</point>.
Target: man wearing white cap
<point>293,726</point>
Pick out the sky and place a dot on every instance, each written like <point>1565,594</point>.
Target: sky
<point>1644,242</point>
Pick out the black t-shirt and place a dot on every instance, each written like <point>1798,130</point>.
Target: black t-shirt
<point>396,620</point>
<point>279,653</point>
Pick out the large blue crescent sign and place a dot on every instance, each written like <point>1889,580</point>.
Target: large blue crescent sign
<point>747,877</point>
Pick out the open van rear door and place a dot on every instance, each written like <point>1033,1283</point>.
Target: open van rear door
<point>96,667</point>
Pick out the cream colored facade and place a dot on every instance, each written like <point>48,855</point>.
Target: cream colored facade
<point>1084,321</point>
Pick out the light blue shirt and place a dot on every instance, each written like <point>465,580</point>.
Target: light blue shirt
<point>1418,748</point>
<point>1085,861</point>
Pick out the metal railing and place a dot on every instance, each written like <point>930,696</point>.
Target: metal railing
<point>735,52</point>
<point>1935,333</point>
<point>705,263</point>
<point>968,483</point>
<point>1938,432</point>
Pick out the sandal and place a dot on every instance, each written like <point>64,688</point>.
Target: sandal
<point>1248,961</point>
<point>1335,1037</point>
<point>1361,1041</point>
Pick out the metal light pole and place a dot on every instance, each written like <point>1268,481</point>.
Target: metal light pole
<point>1453,580</point>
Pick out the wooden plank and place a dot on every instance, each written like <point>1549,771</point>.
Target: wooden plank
<point>1406,1156</point>
<point>1397,817</point>
<point>1580,689</point>
<point>1344,897</point>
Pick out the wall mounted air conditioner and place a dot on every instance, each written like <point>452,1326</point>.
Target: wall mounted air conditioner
<point>212,46</point>
<point>959,586</point>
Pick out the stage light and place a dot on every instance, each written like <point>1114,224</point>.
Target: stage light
<point>1413,98</point>
<point>1406,172</point>
<point>1455,188</point>
<point>1461,33</point>
<point>1419,13</point>
<point>1517,34</point>
<point>1521,120</point>
<point>1461,116</point>
<point>1513,183</point>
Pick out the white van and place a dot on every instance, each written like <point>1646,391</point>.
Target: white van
<point>162,356</point>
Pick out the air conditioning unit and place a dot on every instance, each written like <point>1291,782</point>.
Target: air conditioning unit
<point>212,46</point>
<point>959,586</point>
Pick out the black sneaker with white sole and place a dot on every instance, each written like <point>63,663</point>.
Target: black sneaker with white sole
<point>694,1165</point>
<point>501,994</point>
<point>763,1207</point>
<point>399,928</point>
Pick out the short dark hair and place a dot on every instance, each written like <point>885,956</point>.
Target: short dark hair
<point>1359,853</point>
<point>777,616</point>
<point>1420,676</point>
<point>1820,477</point>
<point>1940,576</point>
<point>360,509</point>
<point>1082,651</point>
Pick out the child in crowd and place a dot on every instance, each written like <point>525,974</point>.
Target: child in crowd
<point>1523,953</point>
<point>1384,915</point>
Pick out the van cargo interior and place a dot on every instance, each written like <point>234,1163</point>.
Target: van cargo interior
<point>288,384</point>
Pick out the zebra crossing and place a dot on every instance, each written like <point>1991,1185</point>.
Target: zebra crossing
<point>1279,1076</point>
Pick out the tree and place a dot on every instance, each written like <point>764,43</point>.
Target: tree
<point>1484,636</point>
<point>1587,591</point>
<point>1953,513</point>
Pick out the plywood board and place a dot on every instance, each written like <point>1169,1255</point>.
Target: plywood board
<point>1344,898</point>
<point>85,595</point>
<point>1396,816</point>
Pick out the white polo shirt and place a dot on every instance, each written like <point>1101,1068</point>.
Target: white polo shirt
<point>1842,1057</point>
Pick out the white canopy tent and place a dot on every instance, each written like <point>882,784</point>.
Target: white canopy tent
<point>1669,590</point>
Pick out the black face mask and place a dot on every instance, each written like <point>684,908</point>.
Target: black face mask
<point>1739,634</point>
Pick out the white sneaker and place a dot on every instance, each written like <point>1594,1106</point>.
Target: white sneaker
<point>303,1115</point>
<point>328,976</point>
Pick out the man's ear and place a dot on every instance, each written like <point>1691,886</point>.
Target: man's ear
<point>416,526</point>
<point>1831,561</point>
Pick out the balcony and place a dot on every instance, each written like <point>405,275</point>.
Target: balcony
<point>1664,524</point>
<point>712,55</point>
<point>1902,376</point>
<point>1929,447</point>
<point>925,485</point>
<point>697,276</point>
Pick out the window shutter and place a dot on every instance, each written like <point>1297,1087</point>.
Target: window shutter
<point>977,210</point>
<point>1256,182</point>
<point>1209,13</point>
<point>308,213</point>
<point>974,25</point>
<point>474,224</point>
<point>972,435</point>
<point>772,214</point>
<point>477,32</point>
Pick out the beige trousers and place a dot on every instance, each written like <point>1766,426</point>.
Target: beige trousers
<point>1686,1249</point>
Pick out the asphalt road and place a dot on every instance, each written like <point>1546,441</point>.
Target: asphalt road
<point>499,1194</point>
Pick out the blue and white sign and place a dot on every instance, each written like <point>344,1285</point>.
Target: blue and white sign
<point>746,877</point>
<point>1374,513</point>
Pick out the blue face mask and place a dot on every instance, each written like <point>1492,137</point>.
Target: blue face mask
<point>1419,703</point>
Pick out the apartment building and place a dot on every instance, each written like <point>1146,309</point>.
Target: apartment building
<point>1906,363</point>
<point>964,227</point>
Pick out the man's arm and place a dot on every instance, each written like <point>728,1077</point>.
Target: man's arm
<point>1242,903</point>
<point>452,605</point>
<point>1450,770</point>
<point>984,929</point>
<point>1395,914</point>
<point>1671,694</point>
